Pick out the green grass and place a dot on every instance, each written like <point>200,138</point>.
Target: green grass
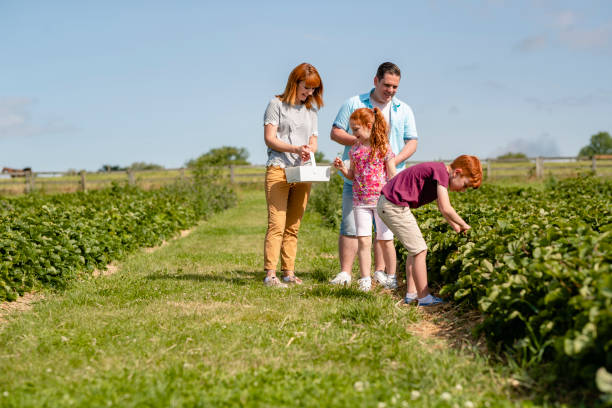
<point>191,325</point>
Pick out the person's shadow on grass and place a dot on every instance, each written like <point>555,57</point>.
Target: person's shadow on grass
<point>236,277</point>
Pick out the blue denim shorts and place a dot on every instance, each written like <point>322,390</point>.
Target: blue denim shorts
<point>347,227</point>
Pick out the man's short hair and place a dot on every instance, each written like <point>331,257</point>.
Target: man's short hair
<point>388,68</point>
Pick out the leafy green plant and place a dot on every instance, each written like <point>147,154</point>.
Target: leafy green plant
<point>326,199</point>
<point>536,264</point>
<point>49,240</point>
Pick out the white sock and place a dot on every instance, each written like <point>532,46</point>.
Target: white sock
<point>412,295</point>
<point>426,299</point>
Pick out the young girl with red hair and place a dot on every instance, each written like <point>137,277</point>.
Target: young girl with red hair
<point>371,165</point>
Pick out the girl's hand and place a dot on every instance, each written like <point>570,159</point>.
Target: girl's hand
<point>338,163</point>
<point>464,228</point>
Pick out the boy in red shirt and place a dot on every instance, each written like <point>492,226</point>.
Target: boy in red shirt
<point>417,186</point>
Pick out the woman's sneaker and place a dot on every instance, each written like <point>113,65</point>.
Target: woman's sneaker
<point>273,281</point>
<point>365,284</point>
<point>343,278</point>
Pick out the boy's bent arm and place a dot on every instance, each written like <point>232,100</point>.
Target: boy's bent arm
<point>448,212</point>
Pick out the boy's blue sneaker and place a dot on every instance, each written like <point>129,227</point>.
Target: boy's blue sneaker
<point>410,298</point>
<point>434,301</point>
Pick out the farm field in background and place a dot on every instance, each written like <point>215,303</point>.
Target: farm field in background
<point>495,170</point>
<point>58,182</point>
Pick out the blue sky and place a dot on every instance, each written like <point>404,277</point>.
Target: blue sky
<point>89,83</point>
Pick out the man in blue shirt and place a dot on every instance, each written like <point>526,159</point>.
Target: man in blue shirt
<point>403,140</point>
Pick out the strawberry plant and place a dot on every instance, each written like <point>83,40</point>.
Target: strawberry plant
<point>49,240</point>
<point>537,265</point>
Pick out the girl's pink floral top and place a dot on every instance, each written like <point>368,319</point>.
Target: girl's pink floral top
<point>370,174</point>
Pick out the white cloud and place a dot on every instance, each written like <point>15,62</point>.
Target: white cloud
<point>16,120</point>
<point>544,145</point>
<point>494,85</point>
<point>596,38</point>
<point>532,43</point>
<point>565,19</point>
<point>468,67</point>
<point>595,98</point>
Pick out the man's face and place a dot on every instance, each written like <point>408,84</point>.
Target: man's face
<point>385,88</point>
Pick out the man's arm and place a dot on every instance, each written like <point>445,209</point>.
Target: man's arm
<point>408,150</point>
<point>448,212</point>
<point>341,136</point>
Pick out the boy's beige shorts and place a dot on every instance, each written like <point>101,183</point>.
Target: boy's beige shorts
<point>401,221</point>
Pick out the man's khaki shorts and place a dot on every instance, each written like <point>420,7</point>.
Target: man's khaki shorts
<point>401,221</point>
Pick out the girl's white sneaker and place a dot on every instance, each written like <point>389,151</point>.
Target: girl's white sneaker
<point>365,284</point>
<point>380,277</point>
<point>343,278</point>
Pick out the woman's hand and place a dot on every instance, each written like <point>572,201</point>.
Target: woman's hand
<point>304,152</point>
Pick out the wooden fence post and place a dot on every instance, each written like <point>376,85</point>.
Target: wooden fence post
<point>130,174</point>
<point>82,183</point>
<point>231,173</point>
<point>29,177</point>
<point>594,165</point>
<point>488,169</point>
<point>539,167</point>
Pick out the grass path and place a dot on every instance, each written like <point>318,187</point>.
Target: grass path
<point>192,325</point>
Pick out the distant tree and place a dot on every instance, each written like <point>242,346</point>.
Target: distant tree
<point>320,157</point>
<point>513,156</point>
<point>601,143</point>
<point>222,156</point>
<point>111,167</point>
<point>145,166</point>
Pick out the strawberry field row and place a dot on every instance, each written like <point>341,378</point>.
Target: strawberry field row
<point>537,265</point>
<point>49,240</point>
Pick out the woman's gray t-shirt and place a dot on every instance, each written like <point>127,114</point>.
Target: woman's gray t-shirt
<point>295,124</point>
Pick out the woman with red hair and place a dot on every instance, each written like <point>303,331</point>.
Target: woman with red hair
<point>290,132</point>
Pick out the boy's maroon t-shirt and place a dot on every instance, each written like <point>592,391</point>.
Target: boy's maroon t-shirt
<point>417,185</point>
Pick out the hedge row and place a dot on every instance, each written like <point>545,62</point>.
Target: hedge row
<point>49,240</point>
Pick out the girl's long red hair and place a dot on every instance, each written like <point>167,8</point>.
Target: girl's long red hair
<point>309,74</point>
<point>379,136</point>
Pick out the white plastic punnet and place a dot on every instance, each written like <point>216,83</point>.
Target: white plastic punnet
<point>308,173</point>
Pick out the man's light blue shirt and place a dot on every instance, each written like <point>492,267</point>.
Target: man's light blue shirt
<point>401,122</point>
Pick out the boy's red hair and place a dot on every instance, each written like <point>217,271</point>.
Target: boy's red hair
<point>309,74</point>
<point>470,166</point>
